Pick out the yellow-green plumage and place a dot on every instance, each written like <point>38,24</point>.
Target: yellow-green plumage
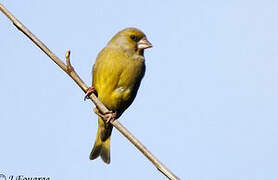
<point>102,143</point>
<point>117,74</point>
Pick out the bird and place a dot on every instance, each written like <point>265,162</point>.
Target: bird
<point>117,74</point>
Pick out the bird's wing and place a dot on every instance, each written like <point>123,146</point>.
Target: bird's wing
<point>106,74</point>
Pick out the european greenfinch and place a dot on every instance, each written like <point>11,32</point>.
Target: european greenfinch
<point>117,74</point>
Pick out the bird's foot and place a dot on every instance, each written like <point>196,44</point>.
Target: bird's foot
<point>108,117</point>
<point>111,116</point>
<point>89,92</point>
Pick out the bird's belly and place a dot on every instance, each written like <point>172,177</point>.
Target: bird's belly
<point>118,99</point>
<point>118,93</point>
<point>122,94</point>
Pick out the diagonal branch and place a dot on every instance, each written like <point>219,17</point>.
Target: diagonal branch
<point>70,71</point>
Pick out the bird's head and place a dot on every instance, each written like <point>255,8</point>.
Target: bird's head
<point>132,40</point>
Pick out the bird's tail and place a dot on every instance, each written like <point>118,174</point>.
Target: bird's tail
<point>102,144</point>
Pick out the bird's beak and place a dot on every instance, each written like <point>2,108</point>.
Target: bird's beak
<point>144,44</point>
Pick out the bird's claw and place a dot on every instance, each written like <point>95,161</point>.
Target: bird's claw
<point>108,116</point>
<point>111,116</point>
<point>89,91</point>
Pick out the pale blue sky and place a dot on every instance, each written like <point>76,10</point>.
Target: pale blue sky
<point>207,106</point>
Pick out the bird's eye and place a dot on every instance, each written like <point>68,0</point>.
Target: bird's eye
<point>134,38</point>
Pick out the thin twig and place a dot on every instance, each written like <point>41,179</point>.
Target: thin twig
<point>70,71</point>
